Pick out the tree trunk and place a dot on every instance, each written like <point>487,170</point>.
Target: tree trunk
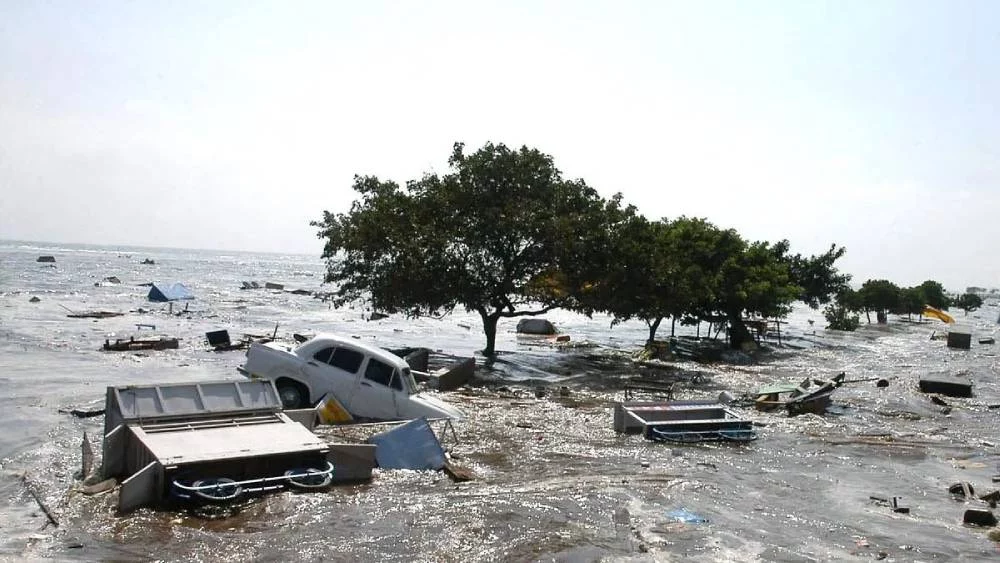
<point>673,323</point>
<point>738,332</point>
<point>652,330</point>
<point>868,316</point>
<point>490,328</point>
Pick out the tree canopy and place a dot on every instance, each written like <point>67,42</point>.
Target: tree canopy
<point>969,302</point>
<point>501,234</point>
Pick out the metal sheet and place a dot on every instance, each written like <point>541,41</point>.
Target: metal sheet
<point>141,489</point>
<point>183,446</point>
<point>410,446</point>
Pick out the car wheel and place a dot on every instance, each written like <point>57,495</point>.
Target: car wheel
<point>291,396</point>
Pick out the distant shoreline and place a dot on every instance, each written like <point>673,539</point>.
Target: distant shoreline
<point>133,248</point>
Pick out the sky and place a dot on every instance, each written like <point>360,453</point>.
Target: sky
<point>232,125</point>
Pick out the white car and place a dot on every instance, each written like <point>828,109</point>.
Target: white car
<point>368,381</point>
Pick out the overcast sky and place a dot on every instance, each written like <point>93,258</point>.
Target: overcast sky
<point>231,125</point>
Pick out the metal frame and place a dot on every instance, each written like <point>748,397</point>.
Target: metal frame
<point>282,481</point>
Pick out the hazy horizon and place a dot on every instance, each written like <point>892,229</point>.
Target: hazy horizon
<point>231,125</point>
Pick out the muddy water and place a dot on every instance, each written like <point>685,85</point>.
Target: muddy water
<point>553,481</point>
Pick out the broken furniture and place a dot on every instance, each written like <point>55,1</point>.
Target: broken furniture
<point>682,421</point>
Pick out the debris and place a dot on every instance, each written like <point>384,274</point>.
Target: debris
<point>726,398</point>
<point>898,508</point>
<point>458,473</point>
<point>250,285</point>
<point>186,442</point>
<point>959,338</point>
<point>46,259</point>
<point>376,316</point>
<point>140,326</point>
<point>535,326</point>
<point>409,446</point>
<point>34,495</point>
<point>34,299</point>
<point>80,413</point>
<point>682,421</point>
<point>86,457</point>
<point>162,293</point>
<point>143,344</point>
<point>882,383</point>
<point>113,280</point>
<point>330,411</point>
<point>812,395</point>
<point>686,516</point>
<point>95,315</point>
<point>269,285</point>
<point>938,401</point>
<point>950,387</point>
<point>962,490</point>
<point>148,261</point>
<point>989,340</point>
<point>300,292</point>
<point>979,517</point>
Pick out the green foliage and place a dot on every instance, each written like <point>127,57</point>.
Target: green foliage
<point>879,295</point>
<point>818,277</point>
<point>969,302</point>
<point>934,295</point>
<point>911,301</point>
<point>502,234</point>
<point>840,317</point>
<point>668,266</point>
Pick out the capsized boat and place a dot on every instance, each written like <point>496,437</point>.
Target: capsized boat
<point>812,395</point>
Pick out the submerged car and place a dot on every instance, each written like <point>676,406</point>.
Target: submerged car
<point>367,381</point>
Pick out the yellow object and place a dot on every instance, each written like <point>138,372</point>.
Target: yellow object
<point>330,411</point>
<point>937,314</point>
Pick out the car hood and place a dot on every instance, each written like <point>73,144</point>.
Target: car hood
<point>433,407</point>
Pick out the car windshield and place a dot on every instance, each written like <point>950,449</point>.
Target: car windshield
<point>408,382</point>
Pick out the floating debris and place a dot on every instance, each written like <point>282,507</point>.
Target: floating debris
<point>143,344</point>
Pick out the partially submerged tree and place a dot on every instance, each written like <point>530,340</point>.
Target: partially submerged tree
<point>502,234</point>
<point>969,302</point>
<point>880,296</point>
<point>668,268</point>
<point>934,294</point>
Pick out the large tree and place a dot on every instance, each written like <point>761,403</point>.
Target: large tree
<point>502,234</point>
<point>659,270</point>
<point>880,296</point>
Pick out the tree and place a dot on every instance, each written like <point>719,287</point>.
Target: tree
<point>754,279</point>
<point>911,302</point>
<point>667,266</point>
<point>501,234</point>
<point>969,302</point>
<point>934,294</point>
<point>819,279</point>
<point>880,296</point>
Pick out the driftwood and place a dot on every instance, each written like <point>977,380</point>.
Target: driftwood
<point>147,344</point>
<point>95,315</point>
<point>34,495</point>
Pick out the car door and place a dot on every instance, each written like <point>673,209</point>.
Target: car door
<point>334,370</point>
<point>374,396</point>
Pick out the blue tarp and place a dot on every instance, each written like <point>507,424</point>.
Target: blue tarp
<point>172,292</point>
<point>410,446</point>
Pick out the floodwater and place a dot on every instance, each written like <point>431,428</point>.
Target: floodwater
<point>553,481</point>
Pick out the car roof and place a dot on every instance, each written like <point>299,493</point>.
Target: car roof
<point>369,349</point>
